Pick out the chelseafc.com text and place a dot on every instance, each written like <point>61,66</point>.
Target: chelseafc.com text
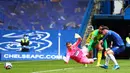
<point>32,56</point>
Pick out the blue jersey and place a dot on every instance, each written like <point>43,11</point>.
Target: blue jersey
<point>117,40</point>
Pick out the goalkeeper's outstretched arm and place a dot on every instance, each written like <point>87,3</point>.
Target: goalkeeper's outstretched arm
<point>66,58</point>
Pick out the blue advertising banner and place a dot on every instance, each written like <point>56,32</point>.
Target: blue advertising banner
<point>43,44</point>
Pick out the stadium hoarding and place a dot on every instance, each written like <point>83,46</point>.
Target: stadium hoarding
<point>44,45</point>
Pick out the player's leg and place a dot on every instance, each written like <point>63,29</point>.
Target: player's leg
<point>90,55</point>
<point>105,66</point>
<point>87,52</point>
<point>112,57</point>
<point>85,60</point>
<point>94,51</point>
<point>99,54</point>
<point>116,50</point>
<point>99,57</point>
<point>110,54</point>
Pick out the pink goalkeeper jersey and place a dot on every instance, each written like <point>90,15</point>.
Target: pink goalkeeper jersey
<point>75,53</point>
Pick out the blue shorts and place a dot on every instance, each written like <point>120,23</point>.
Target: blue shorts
<point>118,49</point>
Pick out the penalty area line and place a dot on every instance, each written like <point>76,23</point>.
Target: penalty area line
<point>56,70</point>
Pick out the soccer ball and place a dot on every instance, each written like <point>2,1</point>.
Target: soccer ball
<point>7,65</point>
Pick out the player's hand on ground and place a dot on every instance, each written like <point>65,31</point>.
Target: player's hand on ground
<point>65,60</point>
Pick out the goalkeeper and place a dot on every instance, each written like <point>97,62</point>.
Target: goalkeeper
<point>77,54</point>
<point>92,43</point>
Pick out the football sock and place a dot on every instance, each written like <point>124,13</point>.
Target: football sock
<point>107,60</point>
<point>113,59</point>
<point>99,57</point>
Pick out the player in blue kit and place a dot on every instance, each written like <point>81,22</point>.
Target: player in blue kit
<point>116,47</point>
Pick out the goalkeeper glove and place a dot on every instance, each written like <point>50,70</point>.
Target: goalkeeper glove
<point>77,35</point>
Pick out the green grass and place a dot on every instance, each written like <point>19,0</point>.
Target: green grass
<point>58,66</point>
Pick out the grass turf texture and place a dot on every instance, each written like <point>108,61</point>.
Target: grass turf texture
<point>58,66</point>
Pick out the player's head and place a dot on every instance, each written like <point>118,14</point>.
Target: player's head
<point>68,45</point>
<point>100,28</point>
<point>104,30</point>
<point>25,36</point>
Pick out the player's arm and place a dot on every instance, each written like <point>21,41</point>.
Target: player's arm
<point>78,41</point>
<point>105,44</point>
<point>66,58</point>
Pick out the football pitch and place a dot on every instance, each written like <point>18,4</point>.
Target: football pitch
<point>58,66</point>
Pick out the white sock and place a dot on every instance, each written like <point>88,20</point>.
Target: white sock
<point>107,60</point>
<point>113,59</point>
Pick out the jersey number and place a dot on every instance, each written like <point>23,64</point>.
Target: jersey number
<point>76,53</point>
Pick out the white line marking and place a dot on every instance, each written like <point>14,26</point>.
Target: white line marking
<point>55,70</point>
<point>26,61</point>
<point>17,62</point>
